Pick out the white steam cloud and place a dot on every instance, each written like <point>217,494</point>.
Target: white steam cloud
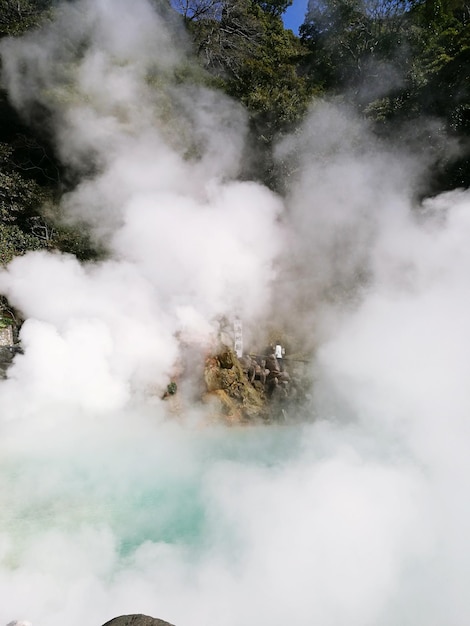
<point>359,517</point>
<point>185,246</point>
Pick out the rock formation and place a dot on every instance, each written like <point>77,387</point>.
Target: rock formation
<point>230,392</point>
<point>136,620</point>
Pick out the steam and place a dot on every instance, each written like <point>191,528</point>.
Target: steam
<point>186,241</point>
<point>358,516</point>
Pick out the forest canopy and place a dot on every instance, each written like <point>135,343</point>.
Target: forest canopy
<point>394,61</point>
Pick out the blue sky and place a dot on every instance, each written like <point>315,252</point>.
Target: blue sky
<point>295,14</point>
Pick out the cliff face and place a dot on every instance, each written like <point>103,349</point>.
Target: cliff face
<point>232,396</point>
<point>256,388</point>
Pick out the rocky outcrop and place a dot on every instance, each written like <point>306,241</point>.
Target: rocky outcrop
<point>254,388</point>
<point>6,357</point>
<point>230,392</point>
<point>136,620</point>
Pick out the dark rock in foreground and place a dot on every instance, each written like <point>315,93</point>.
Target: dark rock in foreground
<point>136,620</point>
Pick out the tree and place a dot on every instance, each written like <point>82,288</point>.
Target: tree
<point>193,10</point>
<point>17,16</point>
<point>268,82</point>
<point>442,88</point>
<point>349,39</point>
<point>276,8</point>
<point>256,60</point>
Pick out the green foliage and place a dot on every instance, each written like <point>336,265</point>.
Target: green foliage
<point>172,388</point>
<point>14,242</point>
<point>255,58</point>
<point>257,61</point>
<point>21,198</point>
<point>29,217</point>
<point>5,322</point>
<point>274,7</point>
<point>268,82</point>
<point>349,39</point>
<point>423,45</point>
<point>244,49</point>
<point>17,16</point>
<point>74,240</point>
<point>223,44</point>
